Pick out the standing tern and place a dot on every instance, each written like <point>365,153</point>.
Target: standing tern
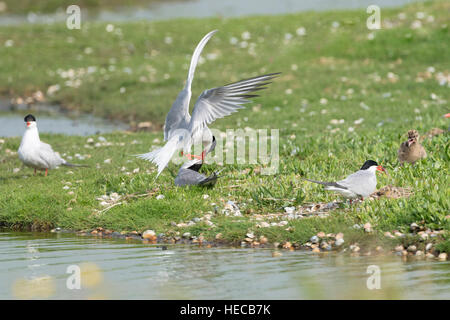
<point>36,154</point>
<point>181,130</point>
<point>360,184</point>
<point>411,150</point>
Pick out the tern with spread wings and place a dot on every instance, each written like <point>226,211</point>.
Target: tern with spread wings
<point>181,130</point>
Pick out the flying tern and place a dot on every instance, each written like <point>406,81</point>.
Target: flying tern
<point>181,130</point>
<point>360,184</point>
<point>36,154</point>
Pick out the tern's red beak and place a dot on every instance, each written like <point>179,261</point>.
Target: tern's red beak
<point>447,115</point>
<point>28,124</point>
<point>380,168</point>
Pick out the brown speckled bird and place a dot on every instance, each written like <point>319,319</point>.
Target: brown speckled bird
<point>411,150</point>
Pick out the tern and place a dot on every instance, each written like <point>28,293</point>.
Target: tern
<point>189,174</point>
<point>36,154</point>
<point>411,150</point>
<point>360,184</point>
<point>181,130</point>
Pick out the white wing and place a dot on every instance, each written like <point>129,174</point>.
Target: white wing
<point>179,113</point>
<point>361,182</point>
<point>222,101</point>
<point>50,157</point>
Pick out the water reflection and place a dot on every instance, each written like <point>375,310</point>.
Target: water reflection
<point>137,271</point>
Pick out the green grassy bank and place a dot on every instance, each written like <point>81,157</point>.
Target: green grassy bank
<point>347,94</point>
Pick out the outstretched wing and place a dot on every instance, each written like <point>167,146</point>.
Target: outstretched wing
<point>222,101</point>
<point>180,108</point>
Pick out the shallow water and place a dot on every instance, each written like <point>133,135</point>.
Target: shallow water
<point>34,265</point>
<point>12,125</point>
<point>202,9</point>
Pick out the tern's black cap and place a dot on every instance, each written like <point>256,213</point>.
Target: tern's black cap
<point>29,117</point>
<point>368,164</point>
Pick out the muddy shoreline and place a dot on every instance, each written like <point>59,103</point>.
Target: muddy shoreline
<point>406,253</point>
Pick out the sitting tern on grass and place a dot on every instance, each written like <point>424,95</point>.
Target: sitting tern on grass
<point>360,184</point>
<point>183,130</point>
<point>36,154</point>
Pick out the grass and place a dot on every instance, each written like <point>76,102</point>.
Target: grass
<point>330,74</point>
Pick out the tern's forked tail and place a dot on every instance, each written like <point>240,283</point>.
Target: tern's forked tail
<point>162,156</point>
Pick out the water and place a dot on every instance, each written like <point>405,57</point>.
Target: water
<point>34,265</point>
<point>12,125</point>
<point>202,9</point>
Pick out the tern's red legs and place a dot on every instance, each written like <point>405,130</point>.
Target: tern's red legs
<point>191,156</point>
<point>46,171</point>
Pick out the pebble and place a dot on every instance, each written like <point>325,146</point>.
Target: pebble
<point>218,236</point>
<point>442,256</point>
<point>356,249</point>
<point>287,245</point>
<point>340,235</point>
<point>289,209</point>
<point>186,235</point>
<point>419,253</point>
<point>262,240</point>
<point>404,253</point>
<point>429,246</point>
<point>339,242</point>
<point>379,249</point>
<point>412,248</point>
<point>159,197</point>
<point>430,256</point>
<point>414,226</point>
<point>423,235</point>
<point>149,234</point>
<point>314,239</point>
<point>316,250</point>
<point>321,234</point>
<point>368,227</point>
<point>387,234</point>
